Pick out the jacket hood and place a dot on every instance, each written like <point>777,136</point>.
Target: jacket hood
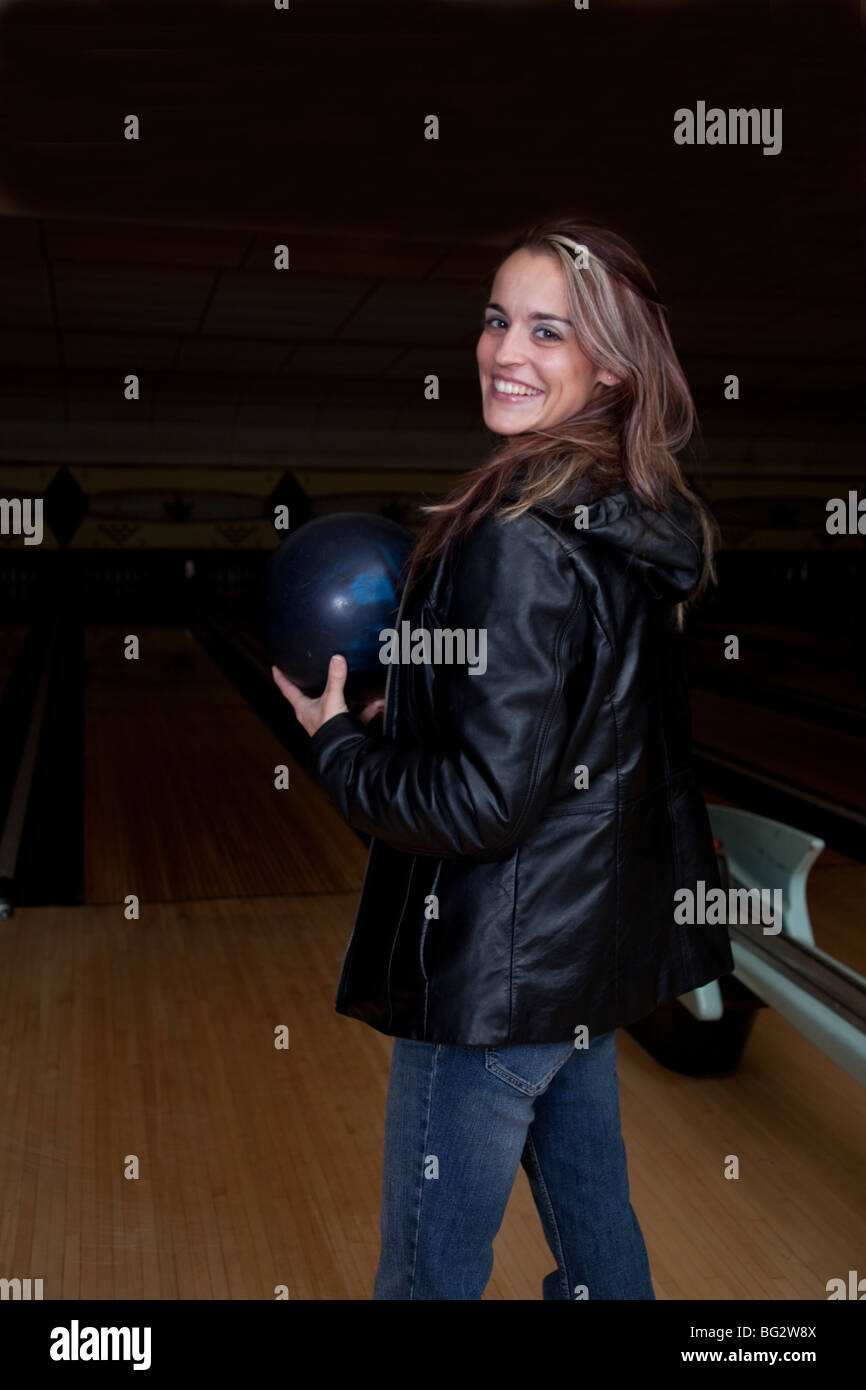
<point>666,548</point>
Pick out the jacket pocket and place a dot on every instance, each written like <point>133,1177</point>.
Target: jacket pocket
<point>528,1067</point>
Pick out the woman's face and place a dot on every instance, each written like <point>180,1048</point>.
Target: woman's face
<point>532,372</point>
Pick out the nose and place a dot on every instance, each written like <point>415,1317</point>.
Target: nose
<point>508,348</point>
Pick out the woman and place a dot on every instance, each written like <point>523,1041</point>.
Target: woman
<point>533,814</point>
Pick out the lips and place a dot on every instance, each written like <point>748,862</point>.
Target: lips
<point>527,394</point>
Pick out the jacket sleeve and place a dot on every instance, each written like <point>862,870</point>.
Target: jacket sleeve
<point>479,788</point>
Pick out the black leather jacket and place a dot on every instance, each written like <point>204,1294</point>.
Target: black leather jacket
<point>510,897</point>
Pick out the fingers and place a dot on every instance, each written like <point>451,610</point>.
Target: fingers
<point>290,690</point>
<point>370,711</point>
<point>332,694</point>
<point>337,672</point>
<point>332,698</point>
<point>313,713</point>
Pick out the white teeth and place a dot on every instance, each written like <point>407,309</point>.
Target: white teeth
<point>509,388</point>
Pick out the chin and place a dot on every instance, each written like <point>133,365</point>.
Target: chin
<point>499,423</point>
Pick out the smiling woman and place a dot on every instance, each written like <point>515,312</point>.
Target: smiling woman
<point>532,823</point>
<point>580,379</point>
<point>532,369</point>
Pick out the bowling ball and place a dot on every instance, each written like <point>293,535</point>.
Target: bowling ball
<point>331,587</point>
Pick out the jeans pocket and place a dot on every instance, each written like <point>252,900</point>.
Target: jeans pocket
<point>528,1067</point>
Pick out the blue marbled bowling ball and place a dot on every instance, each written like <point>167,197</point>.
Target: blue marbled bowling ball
<point>332,586</point>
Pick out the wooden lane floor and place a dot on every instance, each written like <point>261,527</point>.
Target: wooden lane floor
<point>179,798</point>
<point>836,898</point>
<point>260,1167</point>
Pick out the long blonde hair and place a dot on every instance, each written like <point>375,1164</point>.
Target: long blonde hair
<point>627,436</point>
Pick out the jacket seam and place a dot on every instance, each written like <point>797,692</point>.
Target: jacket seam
<point>352,943</point>
<point>570,551</point>
<point>618,892</point>
<point>513,927</point>
<point>394,940</point>
<point>618,804</point>
<point>564,625</point>
<point>583,537</point>
<point>433,890</point>
<point>683,532</point>
<point>628,802</point>
<point>541,745</point>
<point>684,965</point>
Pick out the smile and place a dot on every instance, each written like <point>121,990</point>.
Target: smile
<point>511,390</point>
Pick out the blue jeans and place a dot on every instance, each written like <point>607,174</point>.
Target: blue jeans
<point>459,1120</point>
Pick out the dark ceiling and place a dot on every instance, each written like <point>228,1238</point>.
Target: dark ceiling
<point>306,127</point>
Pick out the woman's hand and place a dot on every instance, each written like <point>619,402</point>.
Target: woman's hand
<point>312,714</point>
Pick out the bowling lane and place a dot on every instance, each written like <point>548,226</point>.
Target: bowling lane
<point>179,794</point>
<point>264,1167</point>
<point>828,762</point>
<point>836,893</point>
<point>11,642</point>
<point>238,1196</point>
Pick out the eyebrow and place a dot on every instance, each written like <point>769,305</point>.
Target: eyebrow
<point>558,317</point>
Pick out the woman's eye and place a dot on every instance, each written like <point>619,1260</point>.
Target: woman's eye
<point>557,337</point>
